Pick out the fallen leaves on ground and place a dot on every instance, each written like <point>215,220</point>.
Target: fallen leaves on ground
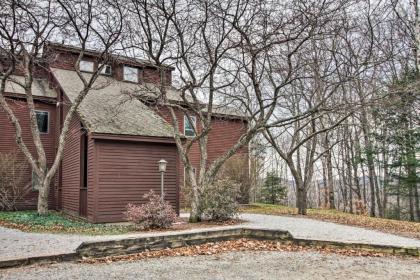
<point>404,228</point>
<point>232,246</point>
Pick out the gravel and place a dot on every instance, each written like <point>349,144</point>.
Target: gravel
<point>17,244</point>
<point>233,265</point>
<point>319,230</point>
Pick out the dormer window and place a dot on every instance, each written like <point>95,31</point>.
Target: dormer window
<point>86,66</point>
<point>131,74</point>
<point>106,70</point>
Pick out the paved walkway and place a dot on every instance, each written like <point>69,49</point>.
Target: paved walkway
<point>16,244</point>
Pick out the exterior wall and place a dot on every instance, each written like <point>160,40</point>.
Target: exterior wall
<point>224,134</point>
<point>125,171</point>
<point>60,58</point>
<point>8,142</point>
<point>70,184</point>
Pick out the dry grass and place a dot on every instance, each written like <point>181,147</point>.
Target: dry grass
<point>403,228</point>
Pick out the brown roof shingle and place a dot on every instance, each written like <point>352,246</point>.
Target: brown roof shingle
<point>106,109</point>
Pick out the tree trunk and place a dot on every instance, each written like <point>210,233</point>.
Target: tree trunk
<point>330,181</point>
<point>399,194</point>
<point>43,191</point>
<point>301,200</point>
<point>195,215</point>
<point>411,202</point>
<point>324,180</point>
<point>370,165</point>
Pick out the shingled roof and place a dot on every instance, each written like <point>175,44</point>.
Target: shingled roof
<point>106,109</point>
<point>40,87</point>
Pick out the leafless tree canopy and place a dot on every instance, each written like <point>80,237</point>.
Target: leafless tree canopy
<point>320,84</point>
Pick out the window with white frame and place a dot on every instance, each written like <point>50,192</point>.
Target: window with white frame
<point>189,126</point>
<point>42,119</point>
<point>106,70</point>
<point>131,74</point>
<point>86,66</point>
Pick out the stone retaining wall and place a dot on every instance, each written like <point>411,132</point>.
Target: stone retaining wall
<point>126,246</point>
<point>136,245</point>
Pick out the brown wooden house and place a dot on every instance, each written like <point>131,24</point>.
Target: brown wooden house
<point>114,142</point>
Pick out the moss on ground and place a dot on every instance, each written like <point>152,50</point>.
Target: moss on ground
<point>56,222</point>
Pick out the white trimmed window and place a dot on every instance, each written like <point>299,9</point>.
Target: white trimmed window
<point>43,119</point>
<point>131,74</point>
<point>86,66</point>
<point>189,126</point>
<point>106,70</point>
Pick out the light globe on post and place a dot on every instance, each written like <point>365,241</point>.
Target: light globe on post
<point>162,165</point>
<point>162,169</point>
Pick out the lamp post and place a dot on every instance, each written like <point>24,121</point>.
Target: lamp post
<point>162,169</point>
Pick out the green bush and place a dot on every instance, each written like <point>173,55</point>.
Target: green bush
<point>274,190</point>
<point>219,201</point>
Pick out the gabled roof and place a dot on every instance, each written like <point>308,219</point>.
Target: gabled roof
<point>106,109</point>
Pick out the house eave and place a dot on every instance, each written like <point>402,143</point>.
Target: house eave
<point>133,138</point>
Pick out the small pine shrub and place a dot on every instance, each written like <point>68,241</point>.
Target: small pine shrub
<point>153,214</point>
<point>219,200</point>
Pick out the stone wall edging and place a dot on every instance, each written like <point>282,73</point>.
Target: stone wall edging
<point>96,249</point>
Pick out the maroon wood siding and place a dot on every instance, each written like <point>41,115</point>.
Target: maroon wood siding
<point>225,132</point>
<point>64,59</point>
<point>128,170</point>
<point>8,142</point>
<point>71,169</point>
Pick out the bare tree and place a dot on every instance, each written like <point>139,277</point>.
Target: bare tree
<point>25,29</point>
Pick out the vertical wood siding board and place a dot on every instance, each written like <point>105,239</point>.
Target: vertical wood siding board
<point>71,166</point>
<point>91,178</point>
<point>109,207</point>
<point>96,180</point>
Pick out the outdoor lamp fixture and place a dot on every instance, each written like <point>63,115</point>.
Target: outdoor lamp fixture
<point>162,169</point>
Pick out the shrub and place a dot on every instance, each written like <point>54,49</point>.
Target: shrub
<point>219,201</point>
<point>153,214</point>
<point>274,190</point>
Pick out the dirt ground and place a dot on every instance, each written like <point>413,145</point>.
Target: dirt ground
<point>232,265</point>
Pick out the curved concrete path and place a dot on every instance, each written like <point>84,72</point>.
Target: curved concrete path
<point>15,244</point>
